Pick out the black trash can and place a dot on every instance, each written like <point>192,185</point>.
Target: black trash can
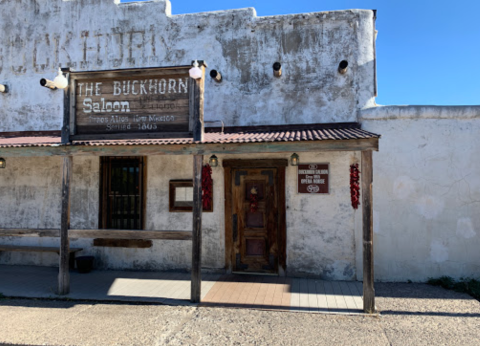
<point>84,264</point>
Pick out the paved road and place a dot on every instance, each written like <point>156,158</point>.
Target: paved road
<point>411,314</point>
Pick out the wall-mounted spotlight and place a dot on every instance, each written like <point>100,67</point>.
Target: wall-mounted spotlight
<point>342,67</point>
<point>3,163</point>
<point>213,161</point>
<point>3,88</point>
<point>277,69</point>
<point>195,72</point>
<point>294,160</point>
<point>60,82</point>
<point>216,76</point>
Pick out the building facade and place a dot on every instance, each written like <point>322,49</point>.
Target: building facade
<point>321,106</point>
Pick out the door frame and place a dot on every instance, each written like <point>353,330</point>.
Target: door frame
<point>280,165</point>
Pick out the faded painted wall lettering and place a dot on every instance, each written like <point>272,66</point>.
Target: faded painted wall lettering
<point>117,47</point>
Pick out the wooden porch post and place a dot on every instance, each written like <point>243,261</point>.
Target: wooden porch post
<point>367,211</point>
<point>197,230</point>
<point>63,271</point>
<point>63,274</point>
<point>197,87</point>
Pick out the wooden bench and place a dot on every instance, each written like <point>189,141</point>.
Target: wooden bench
<point>72,251</point>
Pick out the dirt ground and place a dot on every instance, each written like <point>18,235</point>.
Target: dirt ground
<point>410,314</point>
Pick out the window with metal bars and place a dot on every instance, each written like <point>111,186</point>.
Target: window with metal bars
<point>122,191</point>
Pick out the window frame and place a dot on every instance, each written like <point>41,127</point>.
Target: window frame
<point>172,186</point>
<point>105,169</point>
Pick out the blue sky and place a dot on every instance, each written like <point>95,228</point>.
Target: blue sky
<point>428,52</point>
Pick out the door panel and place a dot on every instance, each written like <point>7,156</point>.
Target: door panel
<point>255,228</point>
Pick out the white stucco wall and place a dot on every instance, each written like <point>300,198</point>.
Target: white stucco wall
<point>426,191</point>
<point>425,206</point>
<point>39,36</point>
<point>321,228</point>
<point>321,236</point>
<point>30,198</point>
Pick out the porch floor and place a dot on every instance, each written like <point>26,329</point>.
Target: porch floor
<point>236,291</point>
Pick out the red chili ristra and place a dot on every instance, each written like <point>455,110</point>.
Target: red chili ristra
<point>207,184</point>
<point>354,185</point>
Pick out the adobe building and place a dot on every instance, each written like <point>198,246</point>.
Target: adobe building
<point>127,133</point>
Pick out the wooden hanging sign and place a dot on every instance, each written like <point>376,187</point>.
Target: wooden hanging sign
<point>313,178</point>
<point>131,104</point>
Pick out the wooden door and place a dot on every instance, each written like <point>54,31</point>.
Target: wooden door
<point>255,220</point>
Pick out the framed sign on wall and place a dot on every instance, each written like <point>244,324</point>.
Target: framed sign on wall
<point>130,104</point>
<point>313,178</point>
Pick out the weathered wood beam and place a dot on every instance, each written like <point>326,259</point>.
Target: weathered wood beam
<point>194,149</point>
<point>66,111</point>
<point>131,234</point>
<point>63,274</point>
<point>197,99</point>
<point>141,72</point>
<point>227,179</point>
<point>26,232</point>
<point>197,229</point>
<point>98,233</point>
<point>125,136</point>
<point>255,163</point>
<point>367,212</point>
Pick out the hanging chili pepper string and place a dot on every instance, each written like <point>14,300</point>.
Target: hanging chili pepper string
<point>207,187</point>
<point>253,200</point>
<point>354,185</point>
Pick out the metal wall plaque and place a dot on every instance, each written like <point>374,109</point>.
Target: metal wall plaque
<point>131,103</point>
<point>313,178</point>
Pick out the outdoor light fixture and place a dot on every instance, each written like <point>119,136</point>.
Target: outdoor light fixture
<point>3,163</point>
<point>3,88</point>
<point>294,160</point>
<point>60,82</point>
<point>213,161</point>
<point>277,69</point>
<point>342,67</point>
<point>216,76</point>
<point>195,72</point>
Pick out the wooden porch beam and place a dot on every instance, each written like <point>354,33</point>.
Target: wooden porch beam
<point>98,233</point>
<point>367,212</point>
<point>194,149</point>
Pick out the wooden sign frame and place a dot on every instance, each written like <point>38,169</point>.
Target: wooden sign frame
<point>194,116</point>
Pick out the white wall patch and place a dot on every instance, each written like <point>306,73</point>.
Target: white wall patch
<point>403,187</point>
<point>465,228</point>
<point>429,207</point>
<point>376,222</point>
<point>438,251</point>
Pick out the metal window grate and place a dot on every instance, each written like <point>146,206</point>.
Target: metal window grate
<point>122,192</point>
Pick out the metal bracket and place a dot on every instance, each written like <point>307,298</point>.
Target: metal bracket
<point>238,174</point>
<point>235,227</point>
<point>270,176</point>
<point>239,264</point>
<point>271,263</point>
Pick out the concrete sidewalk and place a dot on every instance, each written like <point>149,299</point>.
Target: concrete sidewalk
<point>239,291</point>
<point>412,314</point>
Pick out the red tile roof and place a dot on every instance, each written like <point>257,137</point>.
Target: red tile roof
<point>244,134</point>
